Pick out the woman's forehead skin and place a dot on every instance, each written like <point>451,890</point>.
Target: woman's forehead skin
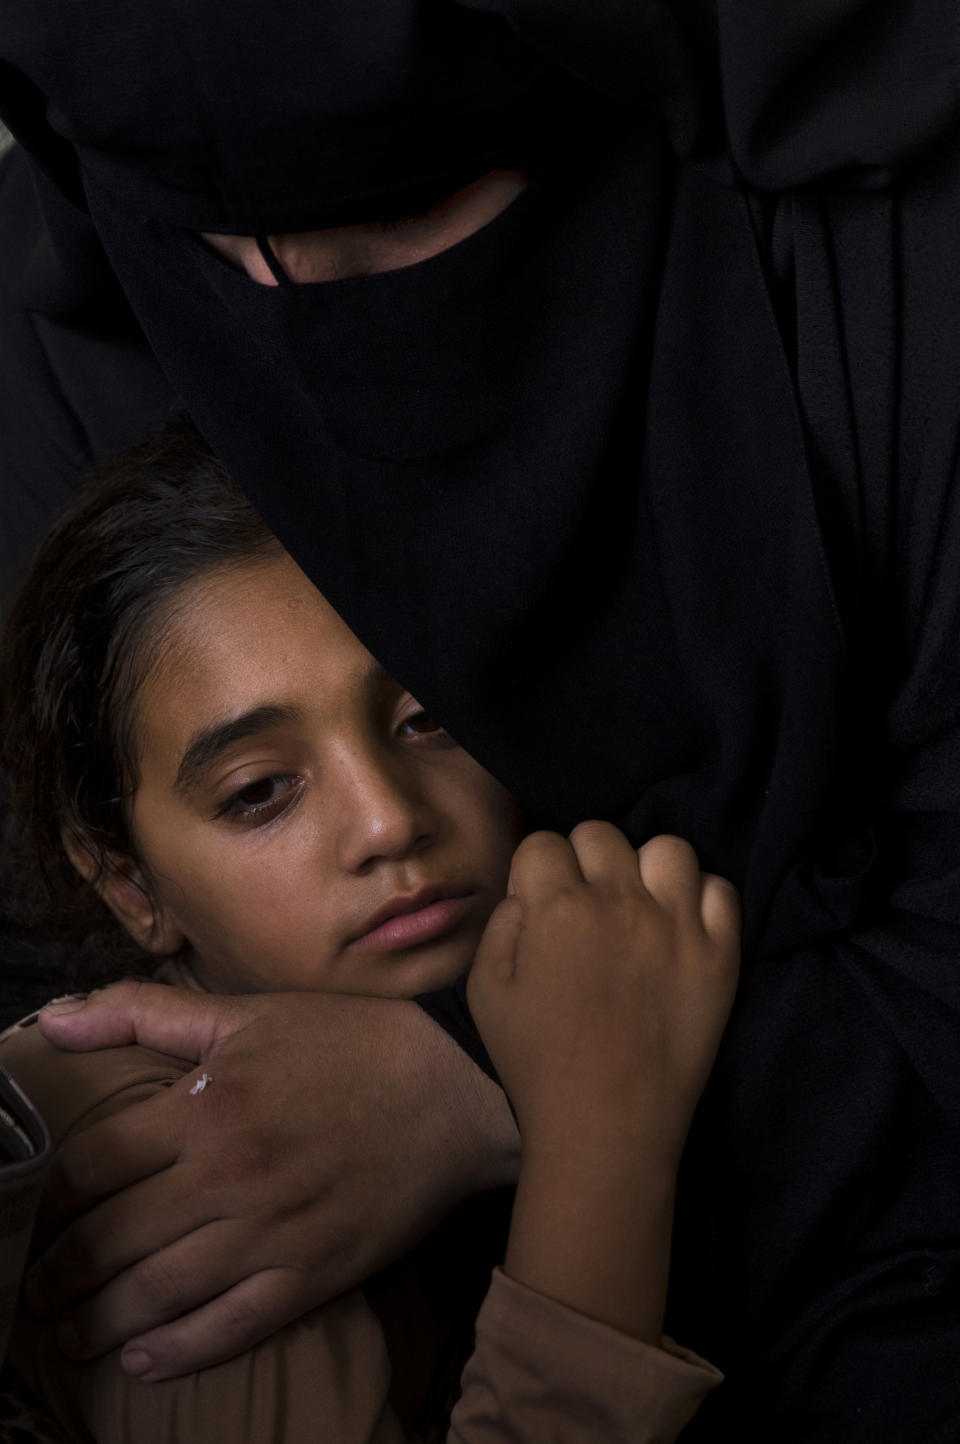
<point>372,247</point>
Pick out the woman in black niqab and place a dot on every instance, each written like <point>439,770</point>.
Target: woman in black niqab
<point>645,489</point>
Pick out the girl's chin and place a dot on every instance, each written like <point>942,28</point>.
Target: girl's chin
<point>404,974</point>
<point>399,976</point>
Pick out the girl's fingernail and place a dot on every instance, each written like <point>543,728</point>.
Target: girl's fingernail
<point>67,1004</point>
<point>136,1362</point>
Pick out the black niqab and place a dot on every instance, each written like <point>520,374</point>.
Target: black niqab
<point>646,489</point>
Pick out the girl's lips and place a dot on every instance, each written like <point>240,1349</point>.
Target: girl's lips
<point>405,930</point>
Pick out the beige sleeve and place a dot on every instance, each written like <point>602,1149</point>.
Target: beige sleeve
<point>543,1371</point>
<point>321,1380</point>
<point>539,1370</point>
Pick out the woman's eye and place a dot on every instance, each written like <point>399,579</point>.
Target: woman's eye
<point>262,800</point>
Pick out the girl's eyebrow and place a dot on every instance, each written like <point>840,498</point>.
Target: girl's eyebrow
<point>207,745</point>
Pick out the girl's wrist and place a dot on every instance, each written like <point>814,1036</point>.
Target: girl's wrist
<point>592,1230</point>
<point>600,1141</point>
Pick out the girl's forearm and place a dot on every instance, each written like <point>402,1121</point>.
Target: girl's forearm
<point>591,1228</point>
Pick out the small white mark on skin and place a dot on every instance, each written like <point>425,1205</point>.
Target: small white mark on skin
<point>202,1082</point>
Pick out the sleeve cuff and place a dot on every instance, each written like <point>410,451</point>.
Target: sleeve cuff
<point>537,1360</point>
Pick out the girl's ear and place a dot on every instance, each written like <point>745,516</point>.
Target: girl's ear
<point>121,884</point>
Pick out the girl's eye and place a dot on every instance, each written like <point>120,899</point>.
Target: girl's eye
<point>262,800</point>
<point>421,724</point>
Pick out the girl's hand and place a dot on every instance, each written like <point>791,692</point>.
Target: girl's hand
<point>601,989</point>
<point>603,983</point>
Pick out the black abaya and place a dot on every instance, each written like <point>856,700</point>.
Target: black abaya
<point>647,490</point>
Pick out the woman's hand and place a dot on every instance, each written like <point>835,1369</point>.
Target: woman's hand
<point>335,1133</point>
<point>601,989</point>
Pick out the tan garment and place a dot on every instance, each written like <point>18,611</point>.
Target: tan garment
<point>540,1373</point>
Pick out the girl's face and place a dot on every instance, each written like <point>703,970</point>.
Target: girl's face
<point>304,824</point>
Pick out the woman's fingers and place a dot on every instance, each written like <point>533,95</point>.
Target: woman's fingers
<point>125,1229</point>
<point>161,1288</point>
<point>125,1183</point>
<point>106,1157</point>
<point>232,1323</point>
<point>172,1020</point>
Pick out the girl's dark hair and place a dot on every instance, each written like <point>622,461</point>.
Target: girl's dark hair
<point>77,645</point>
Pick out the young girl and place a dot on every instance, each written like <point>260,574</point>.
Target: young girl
<point>215,783</point>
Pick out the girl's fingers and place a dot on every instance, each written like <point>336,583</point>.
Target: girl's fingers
<point>720,908</point>
<point>605,855</point>
<point>671,873</point>
<point>543,862</point>
<point>497,949</point>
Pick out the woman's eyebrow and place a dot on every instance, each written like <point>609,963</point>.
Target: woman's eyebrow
<point>207,745</point>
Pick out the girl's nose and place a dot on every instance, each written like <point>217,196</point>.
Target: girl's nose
<point>384,813</point>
